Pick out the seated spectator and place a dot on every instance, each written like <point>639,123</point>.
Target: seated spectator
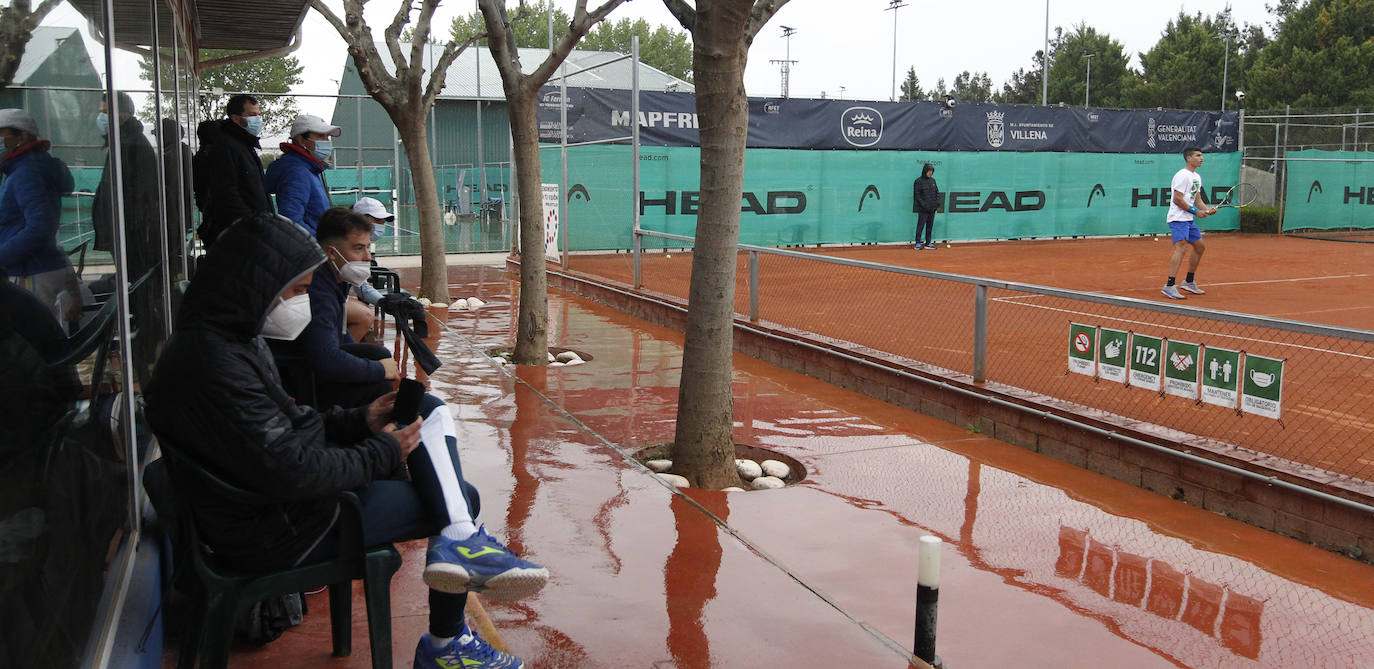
<point>215,398</point>
<point>30,210</point>
<point>358,315</point>
<point>297,177</point>
<point>345,373</point>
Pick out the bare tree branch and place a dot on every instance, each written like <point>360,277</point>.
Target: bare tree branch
<point>501,42</point>
<point>439,74</point>
<point>683,12</point>
<point>582,23</point>
<point>392,37</point>
<point>759,15</point>
<point>329,16</point>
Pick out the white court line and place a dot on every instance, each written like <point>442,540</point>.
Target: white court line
<point>1307,278</point>
<point>1197,332</point>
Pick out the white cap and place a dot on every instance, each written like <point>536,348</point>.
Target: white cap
<point>18,119</point>
<point>370,207</point>
<point>308,123</point>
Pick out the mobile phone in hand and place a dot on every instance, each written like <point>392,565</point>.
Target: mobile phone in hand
<point>407,407</point>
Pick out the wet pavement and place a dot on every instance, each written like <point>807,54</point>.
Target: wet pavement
<point>1044,564</point>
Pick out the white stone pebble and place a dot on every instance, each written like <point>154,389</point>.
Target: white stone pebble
<point>473,303</point>
<point>567,356</point>
<point>555,364</point>
<point>748,469</point>
<point>441,305</point>
<point>551,358</point>
<point>766,483</point>
<point>659,466</point>
<point>460,305</point>
<point>578,361</point>
<point>424,301</point>
<point>775,469</point>
<point>676,481</point>
<point>733,488</point>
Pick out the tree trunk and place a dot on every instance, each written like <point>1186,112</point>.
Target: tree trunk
<point>532,335</point>
<point>704,446</point>
<point>433,266</point>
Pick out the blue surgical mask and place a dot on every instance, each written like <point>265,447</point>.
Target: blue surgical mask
<point>102,121</point>
<point>323,149</point>
<point>253,124</point>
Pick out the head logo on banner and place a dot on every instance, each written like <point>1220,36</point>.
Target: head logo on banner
<point>1081,349</point>
<point>1111,354</point>
<point>1220,376</point>
<point>1146,355</point>
<point>550,202</point>
<point>1180,369</point>
<point>1262,387</point>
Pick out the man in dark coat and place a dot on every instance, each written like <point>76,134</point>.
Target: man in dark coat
<point>228,172</point>
<point>215,398</point>
<point>925,202</point>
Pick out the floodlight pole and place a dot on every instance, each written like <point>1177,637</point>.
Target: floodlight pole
<point>1088,83</point>
<point>1225,67</point>
<point>786,64</point>
<point>1045,61</point>
<point>893,6</point>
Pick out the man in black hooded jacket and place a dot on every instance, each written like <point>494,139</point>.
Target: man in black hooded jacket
<point>925,202</point>
<point>228,173</point>
<point>216,399</point>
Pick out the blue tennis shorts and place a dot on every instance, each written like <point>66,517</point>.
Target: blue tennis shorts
<point>1184,231</point>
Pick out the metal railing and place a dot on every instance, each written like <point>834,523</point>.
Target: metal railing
<point>1015,336</point>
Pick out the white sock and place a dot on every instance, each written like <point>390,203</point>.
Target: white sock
<point>459,531</point>
<point>438,642</point>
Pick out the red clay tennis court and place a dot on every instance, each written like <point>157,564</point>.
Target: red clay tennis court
<point>1328,381</point>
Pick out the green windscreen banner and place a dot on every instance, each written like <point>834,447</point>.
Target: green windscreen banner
<point>1329,190</point>
<point>796,196</point>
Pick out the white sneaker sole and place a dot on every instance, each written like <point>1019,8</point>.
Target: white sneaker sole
<point>510,585</point>
<point>1195,291</point>
<point>1172,296</point>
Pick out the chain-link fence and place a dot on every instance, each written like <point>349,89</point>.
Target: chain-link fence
<point>1017,337</point>
<point>1313,169</point>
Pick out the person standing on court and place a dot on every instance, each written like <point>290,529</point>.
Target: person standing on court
<point>297,177</point>
<point>227,170</point>
<point>925,202</point>
<point>1184,207</point>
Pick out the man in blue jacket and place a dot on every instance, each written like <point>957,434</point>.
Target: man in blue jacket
<point>30,209</point>
<point>297,177</point>
<point>345,373</point>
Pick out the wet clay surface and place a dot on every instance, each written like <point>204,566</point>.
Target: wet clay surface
<point>1044,564</point>
<point>1327,385</point>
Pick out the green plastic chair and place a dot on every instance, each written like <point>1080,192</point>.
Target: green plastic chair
<point>220,596</point>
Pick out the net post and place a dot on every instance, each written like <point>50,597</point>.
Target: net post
<point>980,333</point>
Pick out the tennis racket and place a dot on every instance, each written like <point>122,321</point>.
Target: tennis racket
<point>1240,195</point>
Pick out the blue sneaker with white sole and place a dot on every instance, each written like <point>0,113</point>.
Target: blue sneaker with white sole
<point>481,564</point>
<point>466,651</point>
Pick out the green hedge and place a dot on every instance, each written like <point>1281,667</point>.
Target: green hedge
<point>1259,219</point>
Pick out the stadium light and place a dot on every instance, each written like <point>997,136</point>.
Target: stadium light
<point>893,6</point>
<point>1088,84</point>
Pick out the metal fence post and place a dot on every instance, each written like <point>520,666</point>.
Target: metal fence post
<point>638,244</point>
<point>980,333</point>
<point>754,286</point>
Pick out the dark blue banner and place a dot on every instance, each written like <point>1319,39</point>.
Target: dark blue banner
<point>670,119</point>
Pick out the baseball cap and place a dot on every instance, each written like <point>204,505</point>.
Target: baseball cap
<point>18,119</point>
<point>309,123</point>
<point>370,207</point>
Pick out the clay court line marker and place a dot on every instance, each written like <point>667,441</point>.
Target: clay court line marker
<point>1307,278</point>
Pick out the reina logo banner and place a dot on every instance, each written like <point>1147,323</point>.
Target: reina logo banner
<point>861,126</point>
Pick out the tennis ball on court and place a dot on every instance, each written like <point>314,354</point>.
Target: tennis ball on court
<point>947,246</point>
<point>667,255</point>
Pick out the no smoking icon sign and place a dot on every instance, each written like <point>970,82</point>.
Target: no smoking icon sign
<point>1081,343</point>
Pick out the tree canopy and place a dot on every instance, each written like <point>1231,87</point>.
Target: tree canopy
<point>1322,55</point>
<point>659,47</point>
<point>264,75</point>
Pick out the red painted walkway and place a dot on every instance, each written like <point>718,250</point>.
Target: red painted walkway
<point>1045,564</point>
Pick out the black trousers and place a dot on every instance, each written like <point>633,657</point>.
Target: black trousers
<point>925,221</point>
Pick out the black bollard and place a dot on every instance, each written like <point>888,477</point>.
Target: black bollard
<point>927,600</point>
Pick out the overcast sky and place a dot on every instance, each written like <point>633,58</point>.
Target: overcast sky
<point>852,46</point>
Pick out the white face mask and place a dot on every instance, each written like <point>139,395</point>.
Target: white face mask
<point>288,318</point>
<point>353,271</point>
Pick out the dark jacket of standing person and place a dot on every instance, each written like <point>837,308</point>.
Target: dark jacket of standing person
<point>228,179</point>
<point>216,396</point>
<point>925,194</point>
<point>141,202</point>
<point>30,209</point>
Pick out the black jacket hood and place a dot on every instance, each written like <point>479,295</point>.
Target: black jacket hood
<point>926,169</point>
<point>242,274</point>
